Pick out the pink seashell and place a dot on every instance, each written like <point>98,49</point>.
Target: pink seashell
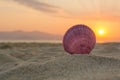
<point>79,39</point>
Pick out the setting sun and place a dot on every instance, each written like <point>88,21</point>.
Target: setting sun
<point>56,16</point>
<point>101,32</point>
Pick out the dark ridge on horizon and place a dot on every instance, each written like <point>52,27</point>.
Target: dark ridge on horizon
<point>23,35</point>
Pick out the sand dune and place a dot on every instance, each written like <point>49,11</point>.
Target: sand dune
<point>50,62</point>
<point>7,62</point>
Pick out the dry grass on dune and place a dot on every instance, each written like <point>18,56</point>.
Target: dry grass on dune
<point>107,50</point>
<point>27,51</point>
<point>7,62</point>
<point>48,61</point>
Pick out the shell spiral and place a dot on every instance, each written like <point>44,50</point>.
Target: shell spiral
<point>79,39</point>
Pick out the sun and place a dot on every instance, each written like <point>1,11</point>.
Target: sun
<point>101,31</point>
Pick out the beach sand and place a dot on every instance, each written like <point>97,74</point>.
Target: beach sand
<point>49,61</point>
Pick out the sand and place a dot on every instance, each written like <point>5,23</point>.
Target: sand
<point>48,61</point>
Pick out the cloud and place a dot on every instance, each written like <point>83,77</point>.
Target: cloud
<point>35,4</point>
<point>52,10</point>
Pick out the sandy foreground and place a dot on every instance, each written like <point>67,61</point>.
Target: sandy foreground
<point>48,61</point>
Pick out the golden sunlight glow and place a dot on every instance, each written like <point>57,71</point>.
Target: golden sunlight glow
<point>101,32</point>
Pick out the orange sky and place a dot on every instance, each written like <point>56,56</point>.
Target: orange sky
<point>56,16</point>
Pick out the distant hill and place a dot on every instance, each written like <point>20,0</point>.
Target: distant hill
<point>35,35</point>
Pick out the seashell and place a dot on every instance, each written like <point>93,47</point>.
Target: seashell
<point>79,39</point>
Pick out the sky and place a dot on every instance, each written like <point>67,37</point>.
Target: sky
<point>57,16</point>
